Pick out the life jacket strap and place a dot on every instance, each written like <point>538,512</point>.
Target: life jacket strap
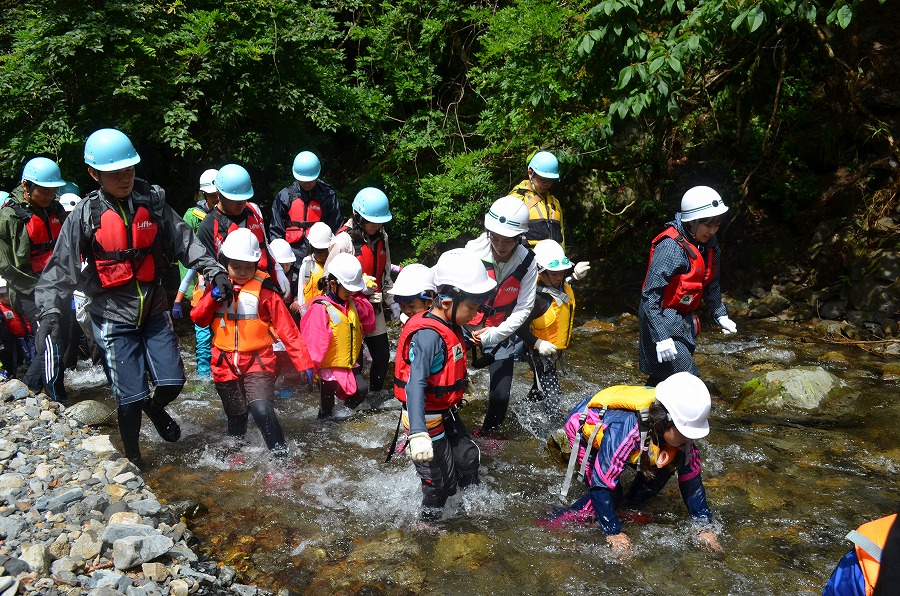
<point>865,543</point>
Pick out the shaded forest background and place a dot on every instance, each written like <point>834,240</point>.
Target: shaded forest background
<point>789,108</point>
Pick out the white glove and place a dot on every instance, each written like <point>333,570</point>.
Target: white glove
<point>581,269</point>
<point>665,350</point>
<point>395,310</point>
<point>371,285</point>
<point>420,448</point>
<point>728,326</point>
<point>375,298</point>
<point>403,318</point>
<point>545,348</point>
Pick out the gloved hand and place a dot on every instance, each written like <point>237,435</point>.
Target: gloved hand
<point>371,285</point>
<point>665,350</point>
<point>403,319</point>
<point>375,298</point>
<point>48,327</point>
<point>223,289</point>
<point>728,326</point>
<point>581,269</point>
<point>177,313</point>
<point>420,448</point>
<point>545,348</point>
<point>395,310</point>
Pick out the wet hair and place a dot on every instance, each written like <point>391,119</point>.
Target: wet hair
<point>658,422</point>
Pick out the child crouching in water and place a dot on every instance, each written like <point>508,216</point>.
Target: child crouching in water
<point>333,328</point>
<point>549,327</point>
<point>430,378</point>
<point>414,290</point>
<point>244,329</point>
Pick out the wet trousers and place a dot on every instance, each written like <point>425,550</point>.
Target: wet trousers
<point>455,465</point>
<point>381,357</point>
<point>501,372</point>
<point>546,377</point>
<point>329,390</point>
<point>254,394</point>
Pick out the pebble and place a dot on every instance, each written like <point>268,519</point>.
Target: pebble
<point>76,517</point>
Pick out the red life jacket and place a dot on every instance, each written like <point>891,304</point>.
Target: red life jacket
<point>444,388</point>
<point>41,234</point>
<point>372,261</point>
<point>504,299</point>
<point>301,217</point>
<point>13,321</point>
<point>222,226</point>
<point>685,290</point>
<point>122,253</point>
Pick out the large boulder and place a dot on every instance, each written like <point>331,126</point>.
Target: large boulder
<point>797,388</point>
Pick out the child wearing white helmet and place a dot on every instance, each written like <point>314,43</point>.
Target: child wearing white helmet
<point>364,237</point>
<point>683,270</point>
<point>651,427</point>
<point>333,327</point>
<point>413,290</point>
<point>430,378</point>
<point>512,266</point>
<point>313,265</point>
<point>549,329</point>
<point>244,329</point>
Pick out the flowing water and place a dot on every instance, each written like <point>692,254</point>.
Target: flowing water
<point>335,518</point>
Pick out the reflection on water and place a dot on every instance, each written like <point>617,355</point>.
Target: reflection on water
<point>333,517</point>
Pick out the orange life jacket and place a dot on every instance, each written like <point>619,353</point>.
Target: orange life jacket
<point>868,540</point>
<point>685,290</point>
<point>503,301</point>
<point>301,217</point>
<point>13,321</point>
<point>42,235</point>
<point>237,327</point>
<point>444,388</point>
<point>373,261</point>
<point>123,253</point>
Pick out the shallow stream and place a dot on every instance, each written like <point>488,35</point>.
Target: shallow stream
<point>334,518</point>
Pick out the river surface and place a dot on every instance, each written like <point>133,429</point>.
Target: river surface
<point>335,518</point>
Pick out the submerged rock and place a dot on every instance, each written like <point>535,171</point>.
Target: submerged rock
<point>803,388</point>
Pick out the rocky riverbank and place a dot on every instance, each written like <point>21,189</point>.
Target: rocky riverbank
<point>77,518</point>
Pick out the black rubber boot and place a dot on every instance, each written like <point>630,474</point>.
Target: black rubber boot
<point>237,425</point>
<point>130,431</point>
<point>155,409</point>
<point>267,422</point>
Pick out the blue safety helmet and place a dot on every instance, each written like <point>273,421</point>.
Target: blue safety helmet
<point>69,187</point>
<point>43,172</point>
<point>372,205</point>
<point>108,150</point>
<point>4,196</point>
<point>233,183</point>
<point>545,165</point>
<point>306,166</point>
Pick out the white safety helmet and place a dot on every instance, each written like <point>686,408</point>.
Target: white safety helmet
<point>208,181</point>
<point>241,245</point>
<point>701,202</point>
<point>550,256</point>
<point>319,235</point>
<point>687,400</point>
<point>414,280</point>
<point>347,271</point>
<point>69,200</point>
<point>2,284</point>
<point>508,217</point>
<point>462,269</point>
<point>282,251</point>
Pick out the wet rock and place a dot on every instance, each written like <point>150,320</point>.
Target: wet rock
<point>456,551</point>
<point>767,306</point>
<point>91,413</point>
<point>890,371</point>
<point>833,310</point>
<point>803,388</point>
<point>595,326</point>
<point>558,442</point>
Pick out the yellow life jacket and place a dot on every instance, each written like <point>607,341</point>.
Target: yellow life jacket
<point>555,325</point>
<point>868,540</point>
<point>346,335</point>
<point>311,289</point>
<point>238,328</point>
<point>544,217</point>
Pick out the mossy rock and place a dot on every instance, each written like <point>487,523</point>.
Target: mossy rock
<point>797,388</point>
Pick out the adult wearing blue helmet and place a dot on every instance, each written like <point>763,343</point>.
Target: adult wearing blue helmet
<point>298,206</point>
<point>29,227</point>
<point>364,237</point>
<point>125,231</point>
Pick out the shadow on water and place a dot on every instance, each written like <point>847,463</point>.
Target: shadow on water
<point>334,518</point>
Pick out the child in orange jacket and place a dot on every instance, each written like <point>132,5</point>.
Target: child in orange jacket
<point>244,329</point>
